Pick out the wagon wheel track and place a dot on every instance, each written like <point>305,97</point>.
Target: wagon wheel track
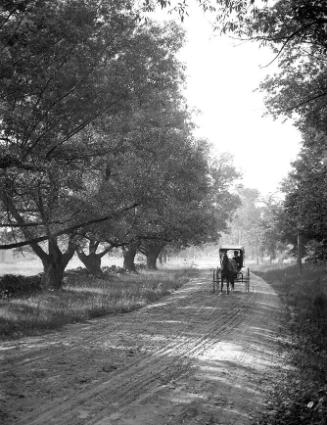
<point>120,391</point>
<point>174,334</point>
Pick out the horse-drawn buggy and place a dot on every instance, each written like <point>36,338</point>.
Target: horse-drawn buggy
<point>232,269</point>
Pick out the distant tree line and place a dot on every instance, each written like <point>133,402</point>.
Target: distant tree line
<point>96,143</point>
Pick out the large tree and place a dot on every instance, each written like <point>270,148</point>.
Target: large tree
<point>72,71</point>
<point>198,207</point>
<point>306,192</point>
<point>296,31</point>
<point>150,133</point>
<point>60,69</point>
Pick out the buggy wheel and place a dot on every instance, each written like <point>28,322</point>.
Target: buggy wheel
<point>215,279</point>
<point>247,280</point>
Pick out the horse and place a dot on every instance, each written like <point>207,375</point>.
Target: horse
<point>228,272</point>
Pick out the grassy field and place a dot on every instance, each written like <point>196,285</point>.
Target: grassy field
<point>301,395</point>
<point>84,297</point>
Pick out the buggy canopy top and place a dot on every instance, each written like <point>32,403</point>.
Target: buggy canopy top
<point>231,248</point>
<point>225,248</point>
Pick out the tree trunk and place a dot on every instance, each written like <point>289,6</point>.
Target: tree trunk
<point>55,264</point>
<point>299,251</point>
<point>53,273</point>
<point>151,250</point>
<point>3,256</point>
<point>129,253</point>
<point>92,262</point>
<point>152,253</point>
<point>163,257</point>
<point>151,260</point>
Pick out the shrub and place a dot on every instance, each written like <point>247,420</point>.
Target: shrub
<point>16,285</point>
<point>113,269</point>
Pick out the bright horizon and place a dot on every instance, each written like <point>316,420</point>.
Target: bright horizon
<point>222,76</point>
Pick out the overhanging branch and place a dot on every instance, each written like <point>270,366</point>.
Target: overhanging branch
<point>8,161</point>
<point>305,101</point>
<point>68,230</point>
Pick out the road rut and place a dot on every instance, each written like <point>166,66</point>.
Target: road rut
<point>194,357</point>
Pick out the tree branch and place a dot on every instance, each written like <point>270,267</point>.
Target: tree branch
<point>68,229</point>
<point>105,251</point>
<point>8,161</point>
<point>318,96</point>
<point>11,207</point>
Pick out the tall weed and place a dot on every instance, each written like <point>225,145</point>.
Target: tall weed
<point>84,297</point>
<point>301,395</point>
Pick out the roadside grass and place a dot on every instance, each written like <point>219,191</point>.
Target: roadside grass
<point>300,397</point>
<point>85,297</point>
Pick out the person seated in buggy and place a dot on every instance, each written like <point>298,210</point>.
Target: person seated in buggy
<point>237,260</point>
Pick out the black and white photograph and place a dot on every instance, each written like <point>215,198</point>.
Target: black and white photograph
<point>163,212</point>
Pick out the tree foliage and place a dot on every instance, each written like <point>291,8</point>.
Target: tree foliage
<point>296,31</point>
<point>306,193</point>
<point>96,141</point>
<point>61,68</point>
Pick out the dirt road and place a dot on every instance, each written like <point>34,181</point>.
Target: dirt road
<point>192,358</point>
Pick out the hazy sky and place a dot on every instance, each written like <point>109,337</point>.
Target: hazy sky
<point>222,75</point>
